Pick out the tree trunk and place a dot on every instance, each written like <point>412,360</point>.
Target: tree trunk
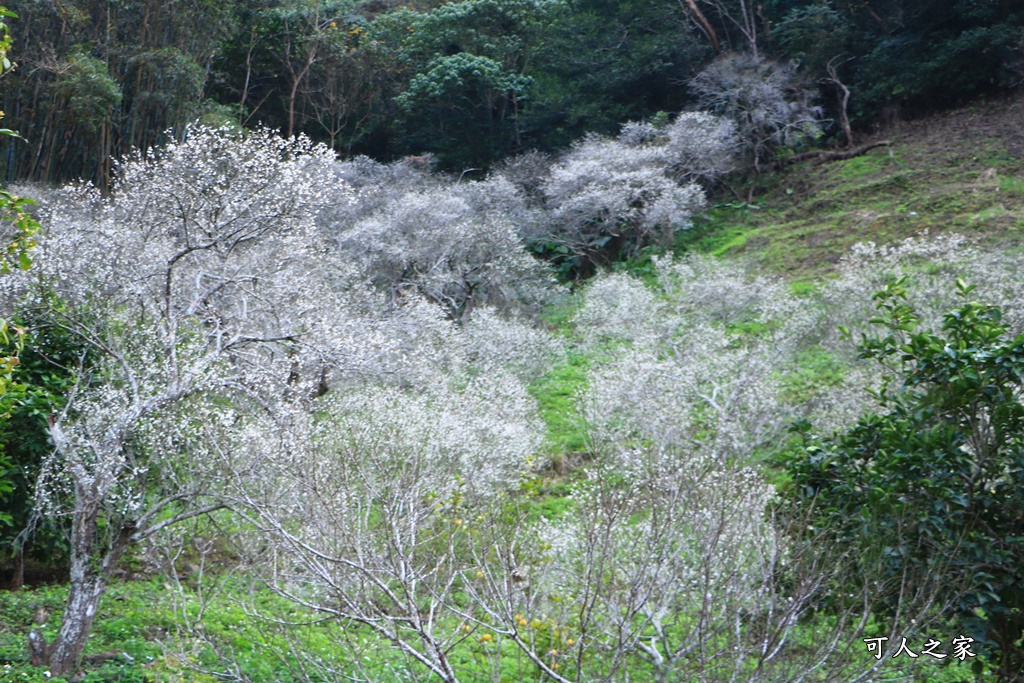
<point>844,117</point>
<point>87,587</point>
<point>705,26</point>
<point>18,579</point>
<point>821,155</point>
<point>91,568</point>
<point>294,94</point>
<point>843,100</point>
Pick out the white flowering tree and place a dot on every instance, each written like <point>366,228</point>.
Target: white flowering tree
<point>457,244</point>
<point>673,540</point>
<point>771,109</point>
<point>611,195</point>
<point>195,286</point>
<point>701,146</point>
<point>375,524</point>
<point>670,559</point>
<point>605,194</point>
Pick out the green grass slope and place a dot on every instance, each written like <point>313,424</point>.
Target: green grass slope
<point>960,171</point>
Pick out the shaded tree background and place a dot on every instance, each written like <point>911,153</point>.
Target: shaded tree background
<point>470,81</point>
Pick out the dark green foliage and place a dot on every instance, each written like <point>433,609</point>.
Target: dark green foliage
<point>605,63</point>
<point>574,67</point>
<point>567,266</point>
<point>164,85</point>
<point>470,81</point>
<point>90,94</point>
<point>933,484</point>
<point>104,79</point>
<point>905,57</point>
<point>363,76</point>
<point>48,364</point>
<point>465,107</point>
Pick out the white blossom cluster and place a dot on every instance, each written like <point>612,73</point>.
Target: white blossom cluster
<point>219,311</point>
<point>618,309</point>
<point>604,188</point>
<point>697,363</point>
<point>701,146</point>
<point>339,352</point>
<point>932,263</point>
<point>195,280</point>
<point>493,342</point>
<point>606,194</point>
<point>478,434</point>
<point>445,248</point>
<point>671,530</point>
<point>656,562</point>
<point>696,522</point>
<point>696,145</point>
<point>375,185</point>
<point>769,106</point>
<point>456,243</point>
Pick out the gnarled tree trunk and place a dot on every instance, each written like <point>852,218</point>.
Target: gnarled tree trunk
<point>86,590</point>
<point>90,573</point>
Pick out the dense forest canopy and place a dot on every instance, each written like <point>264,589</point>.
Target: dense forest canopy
<point>471,81</point>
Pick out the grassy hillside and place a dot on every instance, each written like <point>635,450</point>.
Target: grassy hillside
<point>961,171</point>
<point>958,172</point>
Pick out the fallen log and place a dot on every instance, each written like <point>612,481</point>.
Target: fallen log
<point>821,156</point>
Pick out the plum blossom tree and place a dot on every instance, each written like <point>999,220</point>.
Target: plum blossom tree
<point>456,244</point>
<point>652,568</point>
<point>671,559</point>
<point>196,285</point>
<point>701,146</point>
<point>765,100</point>
<point>608,196</point>
<point>375,524</point>
<point>697,367</point>
<point>673,516</point>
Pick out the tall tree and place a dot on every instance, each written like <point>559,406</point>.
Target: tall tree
<point>188,289</point>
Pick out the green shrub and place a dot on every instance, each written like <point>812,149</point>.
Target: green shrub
<point>929,490</point>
